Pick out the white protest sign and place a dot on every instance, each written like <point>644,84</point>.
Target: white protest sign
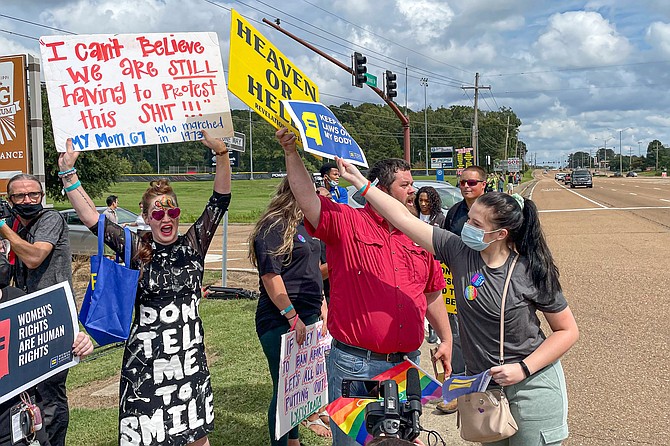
<point>303,383</point>
<point>119,90</point>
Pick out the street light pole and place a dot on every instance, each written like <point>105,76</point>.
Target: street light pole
<point>424,82</point>
<point>620,157</point>
<point>251,146</point>
<point>657,157</point>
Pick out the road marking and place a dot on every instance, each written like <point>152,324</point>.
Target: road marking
<point>663,199</point>
<point>580,195</point>
<point>637,186</point>
<point>604,209</point>
<point>530,196</point>
<point>614,190</point>
<point>632,193</point>
<point>657,188</point>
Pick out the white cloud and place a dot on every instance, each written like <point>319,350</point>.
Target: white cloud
<point>581,38</point>
<point>658,36</point>
<point>426,18</point>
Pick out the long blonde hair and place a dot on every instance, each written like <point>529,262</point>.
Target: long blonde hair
<point>282,212</point>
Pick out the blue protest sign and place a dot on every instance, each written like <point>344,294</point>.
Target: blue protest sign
<point>36,336</point>
<point>322,134</point>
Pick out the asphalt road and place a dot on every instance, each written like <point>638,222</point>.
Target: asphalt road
<point>612,246</point>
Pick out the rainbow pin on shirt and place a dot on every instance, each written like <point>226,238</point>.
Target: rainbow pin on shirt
<point>301,238</point>
<point>470,292</point>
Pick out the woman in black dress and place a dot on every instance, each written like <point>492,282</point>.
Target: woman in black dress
<point>288,261</point>
<point>165,390</point>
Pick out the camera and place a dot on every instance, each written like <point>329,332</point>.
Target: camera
<point>390,417</point>
<point>5,210</point>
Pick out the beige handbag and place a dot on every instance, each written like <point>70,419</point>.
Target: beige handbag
<point>485,417</point>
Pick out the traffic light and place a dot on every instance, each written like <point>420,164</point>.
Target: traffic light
<point>391,85</point>
<point>360,69</point>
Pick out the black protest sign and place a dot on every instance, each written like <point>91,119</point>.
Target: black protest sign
<point>36,336</point>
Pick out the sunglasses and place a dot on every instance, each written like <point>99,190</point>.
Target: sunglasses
<point>471,183</point>
<point>158,214</point>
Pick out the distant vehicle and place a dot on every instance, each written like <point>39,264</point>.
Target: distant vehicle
<point>559,176</point>
<point>581,178</point>
<point>566,178</point>
<point>450,195</point>
<point>631,174</point>
<point>82,240</point>
<point>617,175</point>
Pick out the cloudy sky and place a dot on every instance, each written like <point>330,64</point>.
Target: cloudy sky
<point>576,72</point>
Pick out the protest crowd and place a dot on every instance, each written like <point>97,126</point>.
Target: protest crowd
<point>382,270</point>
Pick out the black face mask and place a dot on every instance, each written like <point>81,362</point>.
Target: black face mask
<point>27,211</point>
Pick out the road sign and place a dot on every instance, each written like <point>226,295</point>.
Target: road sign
<point>235,142</point>
<point>371,79</point>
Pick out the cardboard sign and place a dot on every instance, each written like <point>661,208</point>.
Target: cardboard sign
<point>303,383</point>
<point>13,119</point>
<point>261,76</point>
<point>119,90</point>
<point>448,293</point>
<point>322,134</point>
<point>36,336</point>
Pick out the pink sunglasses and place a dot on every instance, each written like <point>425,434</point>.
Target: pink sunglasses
<point>158,214</point>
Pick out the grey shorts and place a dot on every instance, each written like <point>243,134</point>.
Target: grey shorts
<point>539,404</point>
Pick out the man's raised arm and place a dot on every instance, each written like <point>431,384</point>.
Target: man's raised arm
<point>299,179</point>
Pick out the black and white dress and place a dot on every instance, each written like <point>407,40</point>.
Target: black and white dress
<point>165,390</point>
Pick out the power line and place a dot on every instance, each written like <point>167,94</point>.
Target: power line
<point>19,34</point>
<point>384,38</point>
<point>35,24</point>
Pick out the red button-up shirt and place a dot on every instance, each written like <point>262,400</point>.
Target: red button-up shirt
<point>378,279</point>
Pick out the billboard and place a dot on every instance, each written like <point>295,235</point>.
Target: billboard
<point>441,157</point>
<point>14,157</point>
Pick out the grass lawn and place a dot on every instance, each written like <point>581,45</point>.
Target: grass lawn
<point>240,380</point>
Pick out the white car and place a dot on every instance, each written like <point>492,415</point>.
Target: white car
<point>450,195</point>
<point>82,240</point>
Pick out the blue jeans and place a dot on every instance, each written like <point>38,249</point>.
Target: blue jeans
<point>341,365</point>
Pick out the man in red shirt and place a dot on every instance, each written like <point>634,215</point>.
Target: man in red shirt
<point>382,284</point>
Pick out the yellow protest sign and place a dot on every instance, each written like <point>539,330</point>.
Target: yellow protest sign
<point>448,291</point>
<point>261,76</point>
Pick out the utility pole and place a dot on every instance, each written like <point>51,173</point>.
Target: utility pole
<point>475,126</point>
<point>657,157</point>
<point>403,119</point>
<point>424,83</point>
<point>506,136</point>
<point>251,146</point>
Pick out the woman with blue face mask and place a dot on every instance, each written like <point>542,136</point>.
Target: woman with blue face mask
<point>499,229</point>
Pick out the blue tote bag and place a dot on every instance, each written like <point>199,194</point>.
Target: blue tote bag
<point>107,309</point>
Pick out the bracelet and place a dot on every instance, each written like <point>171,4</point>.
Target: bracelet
<point>367,189</point>
<point>72,187</point>
<point>286,310</point>
<point>220,153</point>
<point>295,322</point>
<point>2,222</point>
<point>524,367</point>
<point>65,173</point>
<point>363,187</point>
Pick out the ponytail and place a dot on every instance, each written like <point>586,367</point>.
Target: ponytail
<point>521,219</point>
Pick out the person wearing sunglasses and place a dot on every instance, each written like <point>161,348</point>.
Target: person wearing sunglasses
<point>500,230</point>
<point>165,393</point>
<point>40,249</point>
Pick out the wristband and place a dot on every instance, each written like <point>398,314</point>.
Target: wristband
<point>72,187</point>
<point>286,310</point>
<point>363,187</point>
<point>367,189</point>
<point>70,171</point>
<point>524,367</point>
<point>295,322</point>
<point>2,222</point>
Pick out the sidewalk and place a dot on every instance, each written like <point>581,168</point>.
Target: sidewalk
<point>434,420</point>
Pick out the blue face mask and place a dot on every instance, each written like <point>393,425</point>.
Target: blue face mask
<point>474,237</point>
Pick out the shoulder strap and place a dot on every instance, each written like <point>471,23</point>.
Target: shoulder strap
<point>501,360</point>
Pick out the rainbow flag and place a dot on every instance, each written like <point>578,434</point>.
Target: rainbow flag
<point>349,413</point>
